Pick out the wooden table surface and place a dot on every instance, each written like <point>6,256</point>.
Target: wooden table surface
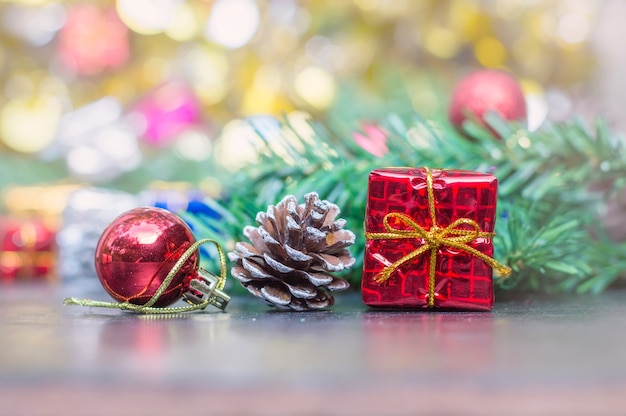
<point>553,356</point>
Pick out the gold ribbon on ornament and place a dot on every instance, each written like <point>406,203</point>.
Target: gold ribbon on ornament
<point>454,235</point>
<point>211,286</point>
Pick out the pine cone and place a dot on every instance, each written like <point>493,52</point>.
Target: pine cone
<point>293,251</point>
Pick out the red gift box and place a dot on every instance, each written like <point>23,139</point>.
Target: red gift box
<point>27,249</point>
<point>416,218</point>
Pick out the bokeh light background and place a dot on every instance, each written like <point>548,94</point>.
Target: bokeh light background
<point>121,94</point>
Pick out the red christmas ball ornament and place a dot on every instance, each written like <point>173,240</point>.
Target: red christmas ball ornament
<point>484,91</point>
<point>136,252</point>
<point>141,250</point>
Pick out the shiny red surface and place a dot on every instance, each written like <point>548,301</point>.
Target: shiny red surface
<point>487,90</point>
<point>462,280</point>
<point>27,249</point>
<point>136,252</point>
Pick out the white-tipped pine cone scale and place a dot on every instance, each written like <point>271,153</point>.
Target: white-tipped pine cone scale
<point>293,253</point>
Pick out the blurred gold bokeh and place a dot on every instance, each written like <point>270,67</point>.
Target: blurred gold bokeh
<point>150,76</point>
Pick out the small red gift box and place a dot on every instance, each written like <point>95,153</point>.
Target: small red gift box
<point>27,250</point>
<point>429,239</point>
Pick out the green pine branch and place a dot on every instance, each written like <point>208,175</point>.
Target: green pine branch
<point>552,183</point>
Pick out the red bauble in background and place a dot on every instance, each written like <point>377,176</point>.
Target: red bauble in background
<point>484,91</point>
<point>137,251</point>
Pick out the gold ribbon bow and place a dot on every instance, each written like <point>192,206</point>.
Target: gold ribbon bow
<point>451,236</point>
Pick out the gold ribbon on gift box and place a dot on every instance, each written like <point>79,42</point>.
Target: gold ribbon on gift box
<point>454,235</point>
